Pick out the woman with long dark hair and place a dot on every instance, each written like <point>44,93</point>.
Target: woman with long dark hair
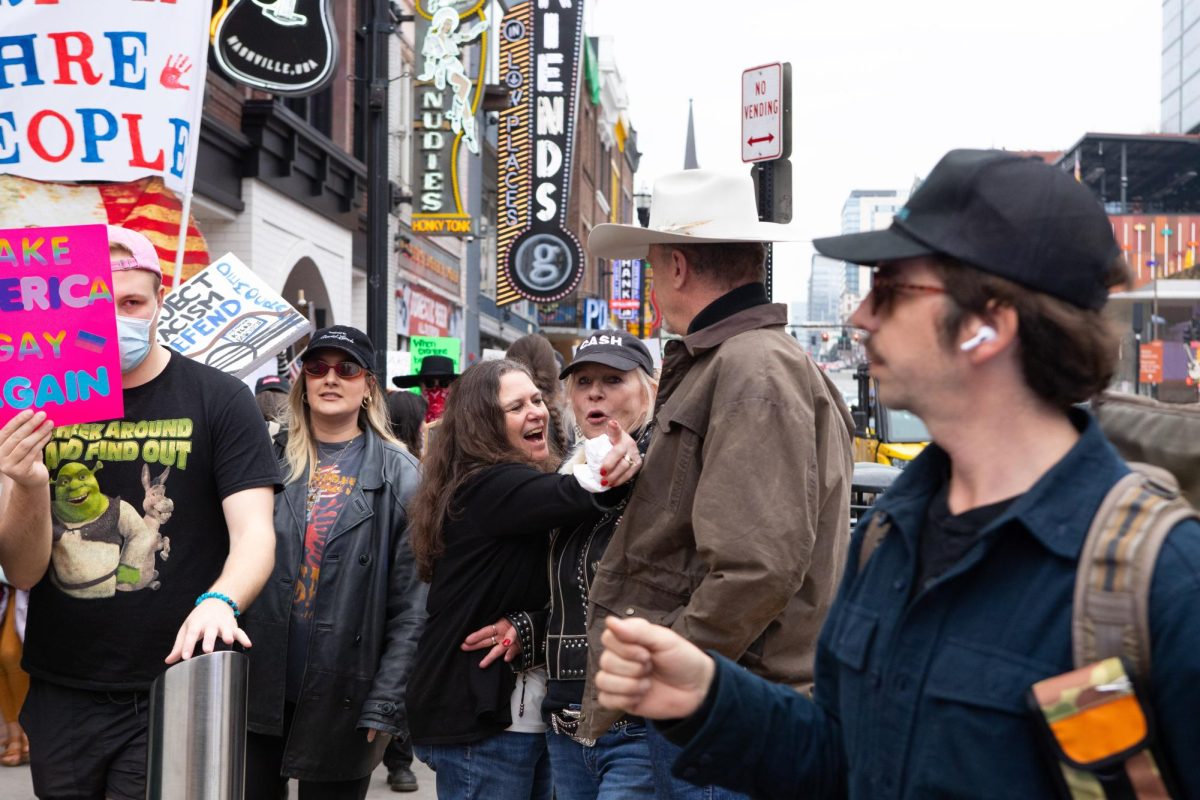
<point>481,524</point>
<point>536,353</point>
<point>336,626</point>
<point>610,378</point>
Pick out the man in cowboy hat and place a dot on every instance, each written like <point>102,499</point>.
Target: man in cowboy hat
<point>736,531</point>
<point>434,377</point>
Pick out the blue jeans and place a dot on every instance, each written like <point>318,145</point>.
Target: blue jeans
<point>506,766</point>
<point>618,767</point>
<point>666,786</point>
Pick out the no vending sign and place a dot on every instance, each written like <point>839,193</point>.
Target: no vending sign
<point>763,113</point>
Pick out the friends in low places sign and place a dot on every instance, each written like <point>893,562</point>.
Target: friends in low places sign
<point>58,329</point>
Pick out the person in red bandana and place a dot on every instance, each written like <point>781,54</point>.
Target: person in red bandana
<point>434,377</point>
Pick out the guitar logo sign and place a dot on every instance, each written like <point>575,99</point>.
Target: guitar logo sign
<point>285,47</point>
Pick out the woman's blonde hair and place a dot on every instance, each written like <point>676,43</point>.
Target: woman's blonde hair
<point>649,390</point>
<point>301,450</point>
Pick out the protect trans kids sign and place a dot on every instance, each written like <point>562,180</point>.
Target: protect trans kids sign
<point>58,325</point>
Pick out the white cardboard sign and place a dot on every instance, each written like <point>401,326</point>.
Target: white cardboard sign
<point>227,317</point>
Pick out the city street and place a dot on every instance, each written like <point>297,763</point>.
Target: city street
<point>15,784</point>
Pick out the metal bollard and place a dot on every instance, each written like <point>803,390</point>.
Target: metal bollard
<point>197,748</point>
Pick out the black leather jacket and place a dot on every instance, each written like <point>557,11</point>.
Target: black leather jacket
<point>370,609</point>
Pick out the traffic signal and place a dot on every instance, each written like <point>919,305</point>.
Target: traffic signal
<point>824,336</point>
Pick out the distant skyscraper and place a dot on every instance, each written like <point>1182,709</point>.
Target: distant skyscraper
<point>689,150</point>
<point>826,283</point>
<point>1180,68</point>
<point>867,210</point>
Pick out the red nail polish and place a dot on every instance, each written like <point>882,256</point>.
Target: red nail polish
<point>603,472</point>
<point>604,483</point>
<point>507,642</point>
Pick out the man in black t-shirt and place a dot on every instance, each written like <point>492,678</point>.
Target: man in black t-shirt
<point>155,532</point>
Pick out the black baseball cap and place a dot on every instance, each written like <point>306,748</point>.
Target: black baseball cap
<point>611,348</point>
<point>350,341</point>
<point>272,383</point>
<point>1015,217</point>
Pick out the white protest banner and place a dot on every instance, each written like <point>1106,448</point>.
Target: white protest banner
<point>228,318</point>
<point>102,90</point>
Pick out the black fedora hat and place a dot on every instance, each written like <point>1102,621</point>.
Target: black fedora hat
<point>439,367</point>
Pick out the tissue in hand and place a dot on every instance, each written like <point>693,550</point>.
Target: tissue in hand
<point>588,474</point>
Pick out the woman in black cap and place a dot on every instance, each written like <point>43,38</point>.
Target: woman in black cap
<point>610,378</point>
<point>481,526</point>
<point>336,626</point>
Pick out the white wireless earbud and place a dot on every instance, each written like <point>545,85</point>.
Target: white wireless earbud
<point>986,333</point>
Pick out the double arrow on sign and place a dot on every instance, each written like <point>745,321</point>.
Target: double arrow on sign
<point>770,137</point>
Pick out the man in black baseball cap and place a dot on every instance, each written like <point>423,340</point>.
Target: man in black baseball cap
<point>985,320</point>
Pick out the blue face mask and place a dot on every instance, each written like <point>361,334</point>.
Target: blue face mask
<point>133,336</point>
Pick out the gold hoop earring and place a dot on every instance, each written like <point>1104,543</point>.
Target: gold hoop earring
<point>366,401</point>
<point>304,399</point>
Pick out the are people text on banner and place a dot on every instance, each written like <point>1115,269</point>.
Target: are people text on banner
<point>102,90</point>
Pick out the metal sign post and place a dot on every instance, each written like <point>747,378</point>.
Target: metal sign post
<point>767,142</point>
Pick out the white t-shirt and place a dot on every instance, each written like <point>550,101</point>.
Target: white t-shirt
<point>532,684</point>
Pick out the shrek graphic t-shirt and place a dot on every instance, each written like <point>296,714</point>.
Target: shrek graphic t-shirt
<point>138,528</point>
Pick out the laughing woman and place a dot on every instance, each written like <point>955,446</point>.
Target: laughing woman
<point>481,524</point>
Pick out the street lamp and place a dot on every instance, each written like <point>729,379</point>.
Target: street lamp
<point>1153,265</point>
<point>641,204</point>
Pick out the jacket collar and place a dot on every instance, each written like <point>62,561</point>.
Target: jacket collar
<point>762,315</point>
<point>735,300</point>
<point>1056,511</point>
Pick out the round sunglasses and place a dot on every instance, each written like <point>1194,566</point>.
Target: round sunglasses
<point>344,369</point>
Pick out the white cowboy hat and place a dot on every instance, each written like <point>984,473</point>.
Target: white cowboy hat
<point>693,206</point>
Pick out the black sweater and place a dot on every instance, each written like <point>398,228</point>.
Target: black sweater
<point>494,563</point>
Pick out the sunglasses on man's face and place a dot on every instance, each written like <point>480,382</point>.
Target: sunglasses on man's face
<point>344,369</point>
<point>885,288</point>
<point>436,383</point>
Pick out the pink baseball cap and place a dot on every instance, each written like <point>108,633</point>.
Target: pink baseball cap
<point>144,255</point>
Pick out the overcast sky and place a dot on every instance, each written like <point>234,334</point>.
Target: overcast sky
<point>881,88</point>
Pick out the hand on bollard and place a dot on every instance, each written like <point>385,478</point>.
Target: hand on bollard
<point>210,619</point>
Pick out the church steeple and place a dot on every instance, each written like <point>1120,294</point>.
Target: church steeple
<point>689,152</point>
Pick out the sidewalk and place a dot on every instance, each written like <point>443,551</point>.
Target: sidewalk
<point>15,784</point>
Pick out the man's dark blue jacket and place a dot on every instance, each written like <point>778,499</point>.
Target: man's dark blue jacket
<point>926,698</point>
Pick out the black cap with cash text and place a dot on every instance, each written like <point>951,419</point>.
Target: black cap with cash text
<point>611,348</point>
<point>1011,216</point>
<point>350,341</point>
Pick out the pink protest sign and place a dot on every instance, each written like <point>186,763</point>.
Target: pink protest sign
<point>58,325</point>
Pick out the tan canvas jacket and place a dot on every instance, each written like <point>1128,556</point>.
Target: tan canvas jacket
<point>736,531</point>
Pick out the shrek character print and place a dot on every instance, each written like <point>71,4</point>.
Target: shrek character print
<point>101,544</point>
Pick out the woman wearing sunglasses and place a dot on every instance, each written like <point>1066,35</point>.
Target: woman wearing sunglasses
<point>336,627</point>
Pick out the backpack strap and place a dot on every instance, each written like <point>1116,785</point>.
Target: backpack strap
<point>1111,615</point>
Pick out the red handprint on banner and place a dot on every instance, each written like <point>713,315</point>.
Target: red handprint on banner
<point>173,72</point>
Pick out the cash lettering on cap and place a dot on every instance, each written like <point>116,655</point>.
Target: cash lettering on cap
<point>616,340</point>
